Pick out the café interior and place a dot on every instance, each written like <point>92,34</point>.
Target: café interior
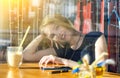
<point>86,16</point>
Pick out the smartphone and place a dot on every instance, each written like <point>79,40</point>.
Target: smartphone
<point>57,68</point>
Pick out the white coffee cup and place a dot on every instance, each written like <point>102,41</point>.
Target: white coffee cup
<point>14,56</point>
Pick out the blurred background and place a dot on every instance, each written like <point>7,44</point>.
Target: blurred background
<point>86,16</point>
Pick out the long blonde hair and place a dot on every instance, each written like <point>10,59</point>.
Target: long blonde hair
<point>57,20</point>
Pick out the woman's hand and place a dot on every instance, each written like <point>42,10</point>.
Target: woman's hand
<point>50,59</point>
<point>56,60</point>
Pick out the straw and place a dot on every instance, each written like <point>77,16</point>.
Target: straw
<point>24,38</point>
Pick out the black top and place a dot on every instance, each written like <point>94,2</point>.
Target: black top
<point>87,47</point>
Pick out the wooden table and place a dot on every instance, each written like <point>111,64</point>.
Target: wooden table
<point>32,70</point>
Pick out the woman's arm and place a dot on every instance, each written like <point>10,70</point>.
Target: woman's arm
<point>32,47</point>
<point>100,47</point>
<point>30,53</point>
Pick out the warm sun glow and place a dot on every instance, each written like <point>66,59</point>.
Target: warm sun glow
<point>35,3</point>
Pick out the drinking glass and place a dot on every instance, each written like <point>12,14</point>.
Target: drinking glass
<point>14,56</point>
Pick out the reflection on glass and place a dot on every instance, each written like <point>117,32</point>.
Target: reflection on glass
<point>14,73</point>
<point>99,72</point>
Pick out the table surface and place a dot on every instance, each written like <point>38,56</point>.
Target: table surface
<point>32,70</point>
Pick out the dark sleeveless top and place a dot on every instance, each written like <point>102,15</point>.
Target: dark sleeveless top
<point>87,47</point>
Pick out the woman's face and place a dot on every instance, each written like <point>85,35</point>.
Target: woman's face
<point>57,33</point>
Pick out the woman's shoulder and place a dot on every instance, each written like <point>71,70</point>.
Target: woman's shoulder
<point>92,36</point>
<point>94,33</point>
